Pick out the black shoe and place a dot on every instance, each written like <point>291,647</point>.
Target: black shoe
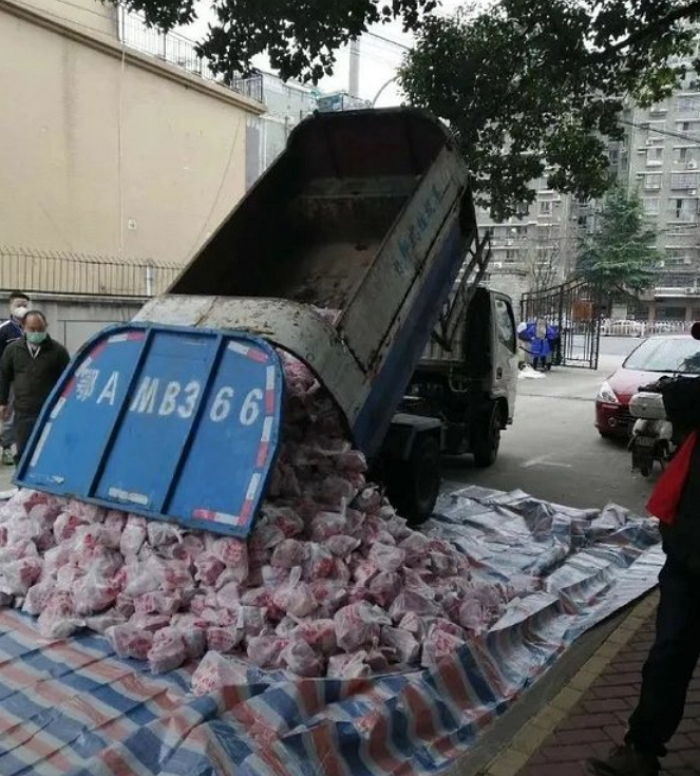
<point>625,761</point>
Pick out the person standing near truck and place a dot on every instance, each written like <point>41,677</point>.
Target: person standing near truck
<point>31,367</point>
<point>11,330</point>
<point>674,655</point>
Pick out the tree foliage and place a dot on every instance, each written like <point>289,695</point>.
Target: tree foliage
<point>300,36</point>
<point>621,254</point>
<point>532,88</point>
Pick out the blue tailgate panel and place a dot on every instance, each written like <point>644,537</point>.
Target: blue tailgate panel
<point>174,424</point>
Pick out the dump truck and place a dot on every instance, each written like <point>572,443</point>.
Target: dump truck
<point>358,253</point>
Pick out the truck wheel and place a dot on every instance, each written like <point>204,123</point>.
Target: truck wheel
<point>488,440</point>
<point>413,485</point>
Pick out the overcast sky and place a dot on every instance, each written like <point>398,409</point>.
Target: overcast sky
<point>378,63</point>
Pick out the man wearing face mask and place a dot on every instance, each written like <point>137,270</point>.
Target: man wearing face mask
<point>31,367</point>
<point>11,330</point>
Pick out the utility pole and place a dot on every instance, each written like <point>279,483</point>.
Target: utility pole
<point>354,85</point>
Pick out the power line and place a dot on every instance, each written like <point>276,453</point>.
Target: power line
<point>384,50</point>
<point>388,40</point>
<point>667,132</point>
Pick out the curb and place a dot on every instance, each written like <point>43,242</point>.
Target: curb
<point>533,734</point>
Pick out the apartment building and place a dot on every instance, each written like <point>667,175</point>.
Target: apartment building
<point>536,248</point>
<point>663,166</point>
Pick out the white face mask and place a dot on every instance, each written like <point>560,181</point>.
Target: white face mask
<point>20,311</point>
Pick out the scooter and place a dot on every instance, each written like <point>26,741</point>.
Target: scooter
<point>652,433</point>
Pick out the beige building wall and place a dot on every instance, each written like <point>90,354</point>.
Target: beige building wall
<point>91,16</point>
<point>105,151</point>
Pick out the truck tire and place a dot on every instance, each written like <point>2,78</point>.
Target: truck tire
<point>488,440</point>
<point>413,485</point>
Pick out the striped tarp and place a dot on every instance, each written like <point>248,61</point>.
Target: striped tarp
<point>72,707</point>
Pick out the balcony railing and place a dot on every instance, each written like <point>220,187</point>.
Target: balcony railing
<point>179,51</point>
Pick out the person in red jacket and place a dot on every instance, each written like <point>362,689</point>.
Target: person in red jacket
<point>676,649</point>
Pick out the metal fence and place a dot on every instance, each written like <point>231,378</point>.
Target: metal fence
<point>626,328</point>
<point>180,51</point>
<point>572,308</point>
<point>82,275</point>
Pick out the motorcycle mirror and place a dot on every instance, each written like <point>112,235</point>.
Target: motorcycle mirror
<point>695,330</point>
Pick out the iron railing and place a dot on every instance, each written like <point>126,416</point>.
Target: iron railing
<point>73,274</point>
<point>179,51</point>
<point>611,327</point>
<point>574,308</point>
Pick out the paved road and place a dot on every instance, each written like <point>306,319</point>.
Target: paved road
<point>618,346</point>
<point>553,450</point>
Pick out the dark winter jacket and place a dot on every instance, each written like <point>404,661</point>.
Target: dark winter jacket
<point>31,377</point>
<point>10,331</point>
<point>682,539</point>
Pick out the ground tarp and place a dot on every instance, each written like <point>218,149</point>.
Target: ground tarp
<point>72,707</point>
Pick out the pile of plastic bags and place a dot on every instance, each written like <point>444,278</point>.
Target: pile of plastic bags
<point>332,582</point>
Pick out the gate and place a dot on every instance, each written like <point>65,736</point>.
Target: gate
<point>574,308</point>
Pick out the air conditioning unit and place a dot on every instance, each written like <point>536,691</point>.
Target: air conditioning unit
<point>497,265</point>
<point>687,261</point>
<point>692,165</point>
<point>650,141</point>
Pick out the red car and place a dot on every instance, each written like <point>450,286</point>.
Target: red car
<point>650,360</point>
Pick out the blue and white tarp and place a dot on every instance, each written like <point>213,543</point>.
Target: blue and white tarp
<point>72,707</point>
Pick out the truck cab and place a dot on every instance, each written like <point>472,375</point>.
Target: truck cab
<point>467,390</point>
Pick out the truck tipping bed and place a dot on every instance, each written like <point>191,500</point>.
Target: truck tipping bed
<point>344,254</point>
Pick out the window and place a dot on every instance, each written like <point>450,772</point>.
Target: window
<point>546,233</point>
<point>652,182</point>
<point>655,155</point>
<point>687,104</point>
<point>677,257</point>
<point>687,154</point>
<point>545,207</point>
<point>651,205</point>
<point>505,325</point>
<point>683,208</point>
<point>684,180</point>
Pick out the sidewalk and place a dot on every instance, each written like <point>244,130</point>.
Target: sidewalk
<point>589,715</point>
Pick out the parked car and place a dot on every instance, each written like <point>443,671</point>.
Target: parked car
<point>652,358</point>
